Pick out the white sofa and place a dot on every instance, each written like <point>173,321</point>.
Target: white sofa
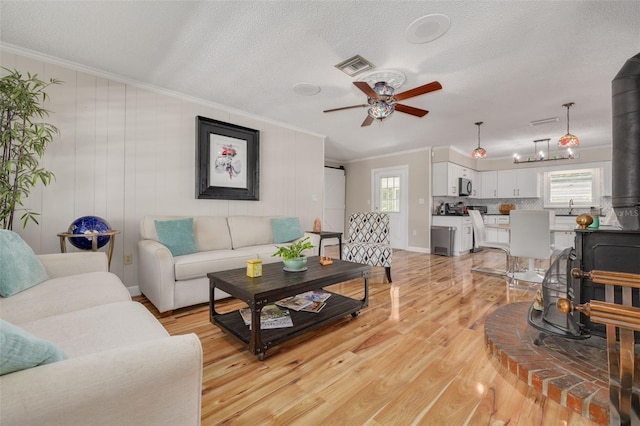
<point>223,242</point>
<point>123,368</point>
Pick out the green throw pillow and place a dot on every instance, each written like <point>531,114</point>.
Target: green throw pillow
<point>20,269</point>
<point>20,350</point>
<point>286,229</point>
<point>177,235</point>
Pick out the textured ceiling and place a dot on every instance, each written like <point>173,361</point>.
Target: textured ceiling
<point>503,63</point>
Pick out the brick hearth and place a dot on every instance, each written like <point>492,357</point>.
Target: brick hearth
<point>570,372</point>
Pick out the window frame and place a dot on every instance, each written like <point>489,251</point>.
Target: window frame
<point>394,190</point>
<point>596,183</point>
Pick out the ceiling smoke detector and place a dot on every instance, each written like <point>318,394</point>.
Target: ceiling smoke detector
<point>355,65</point>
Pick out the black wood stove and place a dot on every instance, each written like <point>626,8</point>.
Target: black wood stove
<point>613,250</point>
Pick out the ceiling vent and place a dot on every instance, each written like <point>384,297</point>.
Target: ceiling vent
<point>355,65</point>
<point>544,121</point>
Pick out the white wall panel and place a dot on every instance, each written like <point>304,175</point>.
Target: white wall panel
<point>124,152</point>
<point>101,200</point>
<point>85,147</point>
<point>115,177</point>
<point>58,196</point>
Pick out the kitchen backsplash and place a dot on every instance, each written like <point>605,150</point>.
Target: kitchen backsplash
<point>520,203</point>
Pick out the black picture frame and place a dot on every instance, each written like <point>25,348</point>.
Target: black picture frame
<point>227,161</point>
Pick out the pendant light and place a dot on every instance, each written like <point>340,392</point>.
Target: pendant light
<point>568,140</point>
<point>479,152</point>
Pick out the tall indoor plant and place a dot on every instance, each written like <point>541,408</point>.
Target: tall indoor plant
<point>24,138</point>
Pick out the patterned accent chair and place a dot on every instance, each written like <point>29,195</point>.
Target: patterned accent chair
<point>368,240</point>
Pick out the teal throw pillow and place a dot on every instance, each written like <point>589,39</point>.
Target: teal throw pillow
<point>286,229</point>
<point>20,269</point>
<point>177,235</point>
<point>20,350</point>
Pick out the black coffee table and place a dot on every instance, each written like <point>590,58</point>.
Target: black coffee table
<point>276,284</point>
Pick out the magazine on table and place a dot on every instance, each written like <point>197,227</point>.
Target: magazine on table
<point>271,316</point>
<point>294,302</point>
<point>311,301</point>
<point>315,295</point>
<point>314,307</point>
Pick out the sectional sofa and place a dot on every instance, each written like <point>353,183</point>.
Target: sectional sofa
<point>108,361</point>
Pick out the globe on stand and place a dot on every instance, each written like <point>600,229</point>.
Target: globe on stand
<point>89,225</point>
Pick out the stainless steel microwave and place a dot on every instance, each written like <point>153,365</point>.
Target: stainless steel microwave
<point>465,187</point>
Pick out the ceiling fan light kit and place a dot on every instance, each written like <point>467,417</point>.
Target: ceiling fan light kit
<point>382,102</point>
<point>380,111</point>
<point>568,140</point>
<point>479,152</point>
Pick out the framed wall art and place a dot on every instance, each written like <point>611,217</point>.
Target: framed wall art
<point>227,161</point>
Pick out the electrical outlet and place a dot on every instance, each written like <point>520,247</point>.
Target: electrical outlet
<point>128,259</point>
<point>415,233</point>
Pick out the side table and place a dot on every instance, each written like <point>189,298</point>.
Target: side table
<point>328,234</point>
<point>94,241</point>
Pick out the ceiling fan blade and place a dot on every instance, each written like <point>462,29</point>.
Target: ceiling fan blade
<point>417,91</point>
<point>367,121</point>
<point>347,107</point>
<point>411,110</point>
<point>364,86</point>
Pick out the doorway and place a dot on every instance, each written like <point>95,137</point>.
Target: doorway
<point>390,195</point>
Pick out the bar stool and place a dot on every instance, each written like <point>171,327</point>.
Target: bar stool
<point>480,234</point>
<point>530,237</point>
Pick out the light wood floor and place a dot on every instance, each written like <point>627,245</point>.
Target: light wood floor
<point>415,356</point>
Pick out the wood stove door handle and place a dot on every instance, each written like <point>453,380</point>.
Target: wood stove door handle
<point>611,278</point>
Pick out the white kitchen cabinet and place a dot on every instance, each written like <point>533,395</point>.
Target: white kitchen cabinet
<point>463,236</point>
<point>507,185</point>
<point>518,183</point>
<point>503,234</point>
<point>439,179</point>
<point>496,234</point>
<point>488,184</point>
<point>466,238</point>
<point>444,177</point>
<point>564,239</point>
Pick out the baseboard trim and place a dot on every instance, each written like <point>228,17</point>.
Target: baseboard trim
<point>419,249</point>
<point>134,291</point>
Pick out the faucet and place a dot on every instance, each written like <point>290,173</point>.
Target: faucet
<point>570,205</point>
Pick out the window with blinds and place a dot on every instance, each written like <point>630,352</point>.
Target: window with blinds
<point>580,188</point>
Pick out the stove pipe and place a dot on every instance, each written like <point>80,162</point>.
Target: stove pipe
<point>625,89</point>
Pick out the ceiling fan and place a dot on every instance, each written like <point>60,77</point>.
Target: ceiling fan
<point>382,102</point>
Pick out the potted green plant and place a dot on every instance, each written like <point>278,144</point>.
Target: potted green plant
<point>23,136</point>
<point>292,256</point>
